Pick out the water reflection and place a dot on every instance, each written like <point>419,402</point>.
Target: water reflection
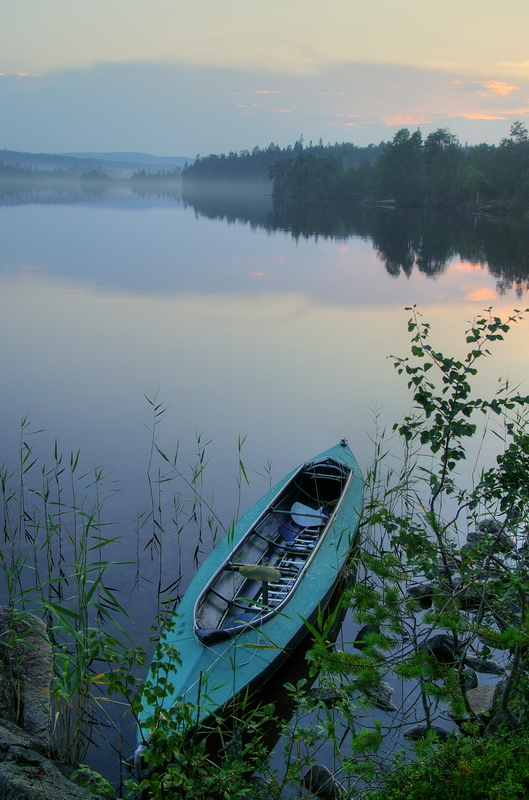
<point>404,239</point>
<point>113,194</point>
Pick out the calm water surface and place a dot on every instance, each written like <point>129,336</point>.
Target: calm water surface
<point>238,330</point>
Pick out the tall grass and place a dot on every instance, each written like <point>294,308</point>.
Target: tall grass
<point>57,559</point>
<point>54,565</point>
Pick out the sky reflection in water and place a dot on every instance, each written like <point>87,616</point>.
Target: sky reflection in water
<point>238,331</point>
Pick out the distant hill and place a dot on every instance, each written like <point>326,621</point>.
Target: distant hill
<point>86,162</point>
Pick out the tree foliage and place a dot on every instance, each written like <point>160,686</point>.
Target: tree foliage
<point>408,171</point>
<point>260,164</point>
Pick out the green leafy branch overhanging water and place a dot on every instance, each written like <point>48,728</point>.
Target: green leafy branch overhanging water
<point>416,517</point>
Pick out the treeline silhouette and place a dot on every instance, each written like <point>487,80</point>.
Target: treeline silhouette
<point>16,172</point>
<point>255,165</point>
<point>156,175</point>
<point>29,173</point>
<point>408,171</point>
<point>413,171</point>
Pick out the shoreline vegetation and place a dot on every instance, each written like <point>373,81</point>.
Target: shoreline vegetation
<point>441,601</point>
<point>408,171</point>
<point>19,174</point>
<point>40,171</point>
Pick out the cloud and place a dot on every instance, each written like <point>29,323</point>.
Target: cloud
<point>168,109</point>
<point>481,115</point>
<point>411,119</point>
<point>21,75</point>
<point>498,87</point>
<point>523,111</point>
<point>513,65</point>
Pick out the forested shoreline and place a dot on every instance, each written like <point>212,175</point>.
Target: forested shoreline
<point>255,165</point>
<point>410,171</point>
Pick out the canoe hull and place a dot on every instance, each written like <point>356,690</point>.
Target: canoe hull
<point>213,673</point>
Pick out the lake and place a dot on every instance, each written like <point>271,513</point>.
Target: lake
<point>244,321</point>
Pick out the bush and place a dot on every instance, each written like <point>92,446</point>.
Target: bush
<point>469,768</point>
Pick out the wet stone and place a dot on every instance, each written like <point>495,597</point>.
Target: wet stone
<point>319,781</point>
<point>423,593</point>
<point>421,732</point>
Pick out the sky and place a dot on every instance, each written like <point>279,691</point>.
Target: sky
<point>169,77</point>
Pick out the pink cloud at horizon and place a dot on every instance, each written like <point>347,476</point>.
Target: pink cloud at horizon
<point>498,87</point>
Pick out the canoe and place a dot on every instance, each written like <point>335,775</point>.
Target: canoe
<point>246,607</point>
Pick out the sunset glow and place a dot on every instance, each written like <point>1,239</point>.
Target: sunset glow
<point>120,79</point>
<point>464,266</point>
<point>498,87</point>
<point>482,295</point>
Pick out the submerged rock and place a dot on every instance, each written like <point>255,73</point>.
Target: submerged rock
<point>423,592</point>
<point>441,647</point>
<point>485,705</point>
<point>363,633</point>
<point>484,665</point>
<point>320,781</point>
<point>328,696</point>
<point>470,678</point>
<point>490,531</point>
<point>482,699</point>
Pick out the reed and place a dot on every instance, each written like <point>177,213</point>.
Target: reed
<point>56,563</point>
<point>54,566</point>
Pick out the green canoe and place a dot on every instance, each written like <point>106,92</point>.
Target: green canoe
<point>246,607</point>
